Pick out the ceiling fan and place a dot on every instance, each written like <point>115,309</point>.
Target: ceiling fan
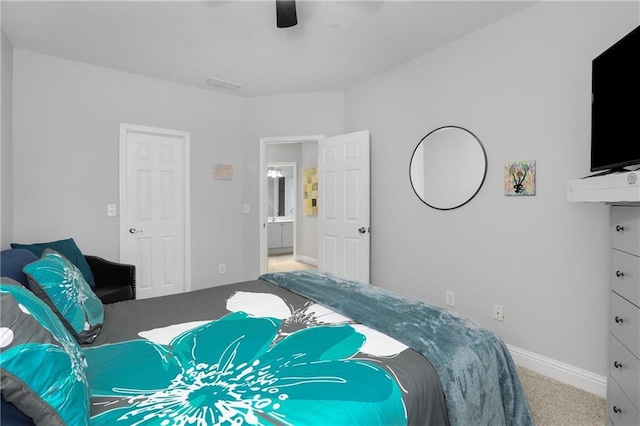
<point>286,13</point>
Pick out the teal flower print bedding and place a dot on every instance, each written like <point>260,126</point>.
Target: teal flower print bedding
<point>61,285</point>
<point>241,369</point>
<point>43,370</point>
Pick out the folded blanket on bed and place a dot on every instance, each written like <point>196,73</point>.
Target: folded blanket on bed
<point>478,376</point>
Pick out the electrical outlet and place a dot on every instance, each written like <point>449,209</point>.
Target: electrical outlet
<point>222,268</point>
<point>450,298</point>
<point>498,313</point>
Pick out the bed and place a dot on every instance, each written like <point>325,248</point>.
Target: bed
<point>297,348</point>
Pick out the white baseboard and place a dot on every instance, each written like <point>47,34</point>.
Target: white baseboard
<point>307,260</point>
<point>565,373</point>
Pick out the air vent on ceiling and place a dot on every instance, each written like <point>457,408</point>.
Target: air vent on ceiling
<point>223,83</point>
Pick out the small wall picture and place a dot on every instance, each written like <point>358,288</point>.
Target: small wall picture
<point>310,191</point>
<point>222,171</point>
<point>520,178</point>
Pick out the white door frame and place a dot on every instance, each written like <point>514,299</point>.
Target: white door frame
<point>123,226</point>
<point>263,190</point>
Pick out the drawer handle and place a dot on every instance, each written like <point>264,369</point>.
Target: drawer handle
<point>619,320</point>
<point>616,364</point>
<point>616,410</point>
<point>619,228</point>
<point>619,274</point>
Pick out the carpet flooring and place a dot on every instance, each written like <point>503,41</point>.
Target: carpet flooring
<point>554,403</point>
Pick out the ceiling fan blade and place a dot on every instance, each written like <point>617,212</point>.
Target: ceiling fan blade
<point>286,13</point>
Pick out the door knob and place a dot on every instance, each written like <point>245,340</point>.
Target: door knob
<point>362,230</point>
<point>134,230</point>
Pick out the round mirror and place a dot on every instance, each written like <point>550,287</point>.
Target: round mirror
<point>448,167</point>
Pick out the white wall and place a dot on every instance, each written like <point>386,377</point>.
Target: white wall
<point>274,116</point>
<point>6,147</point>
<point>522,86</point>
<point>66,118</point>
<point>66,121</point>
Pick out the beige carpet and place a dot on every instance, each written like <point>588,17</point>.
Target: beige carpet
<point>554,403</point>
<point>285,262</point>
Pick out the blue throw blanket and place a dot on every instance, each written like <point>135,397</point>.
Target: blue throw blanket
<point>478,376</point>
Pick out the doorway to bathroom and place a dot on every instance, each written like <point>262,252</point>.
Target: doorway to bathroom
<point>288,236</point>
<point>281,211</point>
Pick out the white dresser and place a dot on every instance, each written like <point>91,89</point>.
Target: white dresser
<point>623,393</point>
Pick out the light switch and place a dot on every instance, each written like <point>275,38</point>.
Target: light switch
<point>245,208</point>
<point>111,210</point>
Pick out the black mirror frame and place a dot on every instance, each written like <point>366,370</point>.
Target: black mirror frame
<point>486,165</point>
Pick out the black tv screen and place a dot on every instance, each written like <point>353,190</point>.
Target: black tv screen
<point>615,105</point>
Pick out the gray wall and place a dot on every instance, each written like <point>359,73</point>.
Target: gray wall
<point>65,160</point>
<point>66,144</point>
<point>6,147</point>
<point>274,116</point>
<point>523,87</point>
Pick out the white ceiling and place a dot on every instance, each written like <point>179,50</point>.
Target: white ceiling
<point>189,41</point>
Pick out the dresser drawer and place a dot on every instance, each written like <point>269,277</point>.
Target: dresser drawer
<point>625,275</point>
<point>625,229</point>
<point>624,323</point>
<point>619,409</point>
<point>625,370</point>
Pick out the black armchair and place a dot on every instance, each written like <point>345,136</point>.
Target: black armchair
<point>114,281</point>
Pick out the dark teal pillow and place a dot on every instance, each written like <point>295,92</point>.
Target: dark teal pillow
<point>44,371</point>
<point>12,262</point>
<point>68,249</point>
<point>55,280</point>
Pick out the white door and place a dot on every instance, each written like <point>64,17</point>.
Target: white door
<point>344,206</point>
<point>154,208</point>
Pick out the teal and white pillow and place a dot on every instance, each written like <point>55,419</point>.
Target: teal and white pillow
<point>68,248</point>
<point>60,284</point>
<point>43,370</point>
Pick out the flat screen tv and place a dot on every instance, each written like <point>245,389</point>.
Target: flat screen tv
<point>615,105</point>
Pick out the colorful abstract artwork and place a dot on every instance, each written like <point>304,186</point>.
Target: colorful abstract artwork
<point>520,178</point>
<point>310,191</point>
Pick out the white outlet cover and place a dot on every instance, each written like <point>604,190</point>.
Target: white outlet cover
<point>498,312</point>
<point>450,298</point>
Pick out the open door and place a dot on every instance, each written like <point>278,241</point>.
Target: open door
<point>344,206</point>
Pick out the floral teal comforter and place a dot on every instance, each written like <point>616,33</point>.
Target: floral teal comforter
<point>263,358</point>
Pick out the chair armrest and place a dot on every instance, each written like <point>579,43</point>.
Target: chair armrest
<point>114,281</point>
